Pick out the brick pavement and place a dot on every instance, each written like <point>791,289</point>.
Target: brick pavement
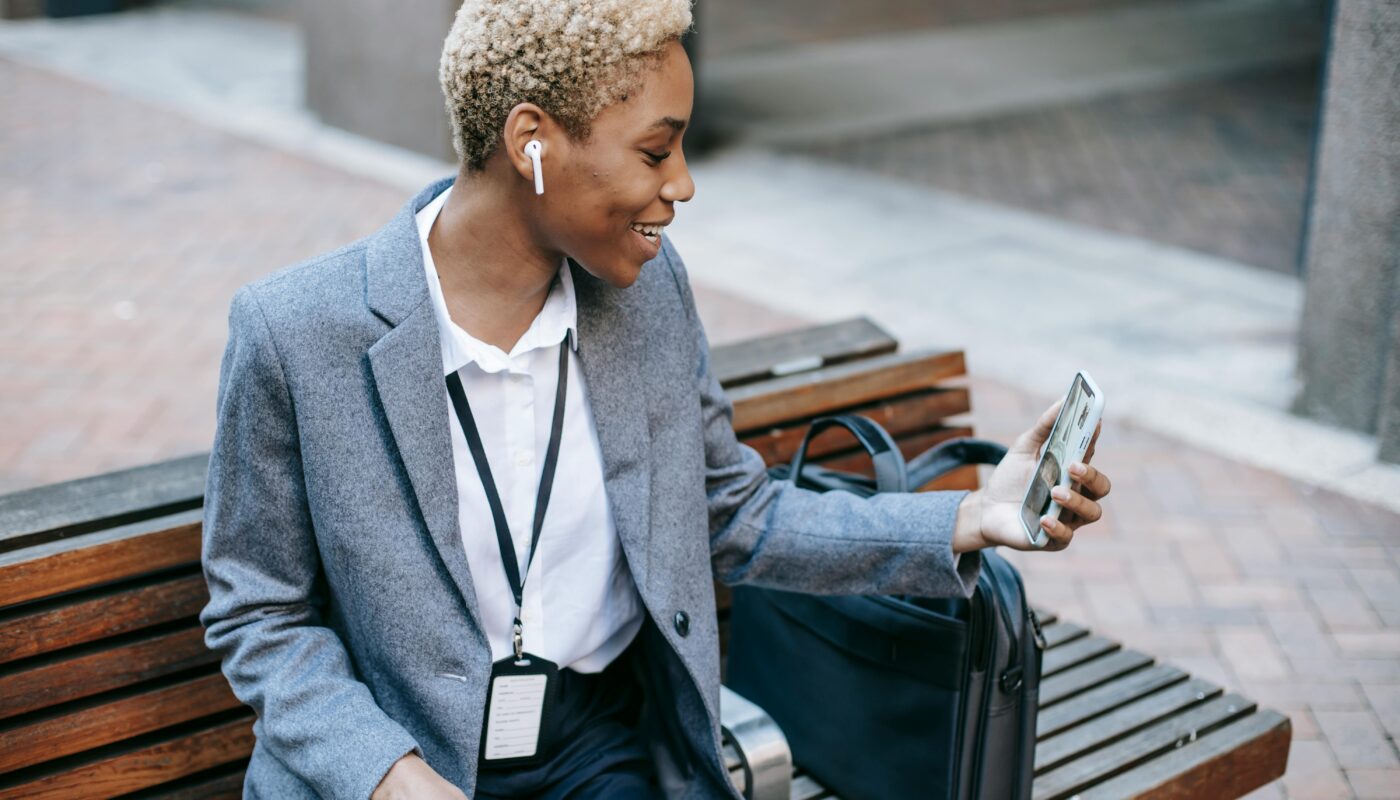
<point>124,230</point>
<point>1258,582</point>
<point>1218,166</point>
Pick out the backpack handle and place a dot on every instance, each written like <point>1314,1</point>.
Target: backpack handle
<point>890,472</point>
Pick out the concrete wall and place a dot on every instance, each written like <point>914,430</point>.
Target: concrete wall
<point>20,9</point>
<point>372,68</point>
<point>1349,351</point>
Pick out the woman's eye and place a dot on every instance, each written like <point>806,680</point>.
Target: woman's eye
<point>656,158</point>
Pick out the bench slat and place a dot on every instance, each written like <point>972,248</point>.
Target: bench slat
<point>821,345</point>
<point>809,394</point>
<point>1126,753</point>
<point>1058,633</point>
<point>805,788</point>
<point>1056,750</point>
<point>1102,699</point>
<point>78,619</point>
<point>99,558</point>
<point>1229,762</point>
<point>221,783</point>
<point>1074,653</point>
<point>909,414</point>
<point>1090,674</point>
<point>110,719</point>
<point>145,766</point>
<point>71,508</point>
<point>132,661</point>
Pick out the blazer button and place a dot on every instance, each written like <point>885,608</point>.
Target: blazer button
<point>682,623</point>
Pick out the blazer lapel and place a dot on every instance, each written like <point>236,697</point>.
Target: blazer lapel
<point>612,354</point>
<point>407,367</point>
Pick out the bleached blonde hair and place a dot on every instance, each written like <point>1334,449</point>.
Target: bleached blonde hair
<point>570,57</point>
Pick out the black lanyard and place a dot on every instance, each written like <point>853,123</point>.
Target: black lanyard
<point>483,468</point>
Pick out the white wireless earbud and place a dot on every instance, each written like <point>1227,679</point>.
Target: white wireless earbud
<point>532,149</point>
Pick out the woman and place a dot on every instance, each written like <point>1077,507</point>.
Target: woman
<point>473,476</point>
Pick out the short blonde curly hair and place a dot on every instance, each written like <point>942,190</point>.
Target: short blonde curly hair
<point>570,57</point>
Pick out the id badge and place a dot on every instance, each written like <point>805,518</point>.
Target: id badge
<point>519,702</point>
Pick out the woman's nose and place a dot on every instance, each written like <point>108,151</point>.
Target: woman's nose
<point>678,187</point>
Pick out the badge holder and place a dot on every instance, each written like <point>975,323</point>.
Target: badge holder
<point>520,700</point>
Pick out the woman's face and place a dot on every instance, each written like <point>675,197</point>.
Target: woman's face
<point>609,196</point>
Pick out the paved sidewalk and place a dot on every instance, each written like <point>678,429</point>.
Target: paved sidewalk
<point>1218,166</point>
<point>124,228</point>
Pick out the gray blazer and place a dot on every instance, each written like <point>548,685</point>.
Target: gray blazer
<point>339,595</point>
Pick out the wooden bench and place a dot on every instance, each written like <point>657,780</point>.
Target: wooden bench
<point>106,688</point>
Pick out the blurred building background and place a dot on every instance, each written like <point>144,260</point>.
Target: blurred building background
<point>1196,200</point>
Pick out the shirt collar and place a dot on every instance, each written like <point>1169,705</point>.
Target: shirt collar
<point>558,318</point>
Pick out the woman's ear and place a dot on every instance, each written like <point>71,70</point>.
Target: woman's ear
<point>526,122</point>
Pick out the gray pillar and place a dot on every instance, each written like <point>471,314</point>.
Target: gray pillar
<point>1389,428</point>
<point>1350,331</point>
<point>372,69</point>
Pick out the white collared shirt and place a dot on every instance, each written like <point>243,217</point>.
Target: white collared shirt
<point>581,607</point>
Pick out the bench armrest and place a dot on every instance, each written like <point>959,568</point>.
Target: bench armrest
<point>761,746</point>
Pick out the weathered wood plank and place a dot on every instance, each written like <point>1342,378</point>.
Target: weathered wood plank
<point>99,670</point>
<point>761,405</point>
<point>98,558</point>
<point>1074,653</point>
<point>110,719</point>
<point>908,414</point>
<point>765,357</point>
<point>805,788</point>
<point>1174,731</point>
<point>222,783</point>
<point>1090,674</point>
<point>71,508</point>
<point>1226,763</point>
<point>148,765</point>
<point>77,619</point>
<point>1054,751</point>
<point>1058,633</point>
<point>1103,699</point>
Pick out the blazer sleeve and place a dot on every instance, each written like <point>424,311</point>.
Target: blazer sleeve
<point>266,595</point>
<point>771,533</point>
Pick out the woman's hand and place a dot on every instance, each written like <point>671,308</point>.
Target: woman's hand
<point>992,515</point>
<point>411,778</point>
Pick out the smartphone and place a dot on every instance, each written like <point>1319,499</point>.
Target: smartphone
<point>1069,439</point>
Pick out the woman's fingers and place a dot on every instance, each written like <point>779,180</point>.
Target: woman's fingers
<point>1060,533</point>
<point>1092,482</point>
<point>1087,511</point>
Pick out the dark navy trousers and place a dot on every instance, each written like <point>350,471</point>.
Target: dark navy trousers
<point>593,750</point>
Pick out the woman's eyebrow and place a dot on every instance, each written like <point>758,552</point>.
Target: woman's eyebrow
<point>672,122</point>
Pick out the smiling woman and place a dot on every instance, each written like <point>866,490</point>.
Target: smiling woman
<point>473,476</point>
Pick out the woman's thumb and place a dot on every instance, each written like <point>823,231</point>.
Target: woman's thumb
<point>1031,440</point>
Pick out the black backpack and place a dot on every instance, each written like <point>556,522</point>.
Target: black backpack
<point>892,697</point>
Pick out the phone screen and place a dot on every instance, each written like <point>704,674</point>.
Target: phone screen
<point>1068,439</point>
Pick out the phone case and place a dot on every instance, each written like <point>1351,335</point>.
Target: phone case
<point>1069,439</point>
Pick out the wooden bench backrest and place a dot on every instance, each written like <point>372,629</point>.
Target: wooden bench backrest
<point>105,684</point>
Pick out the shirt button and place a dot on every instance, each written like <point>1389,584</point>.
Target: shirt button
<point>682,623</point>
<point>522,459</point>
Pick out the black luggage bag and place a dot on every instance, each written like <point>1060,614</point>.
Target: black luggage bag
<point>893,697</point>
